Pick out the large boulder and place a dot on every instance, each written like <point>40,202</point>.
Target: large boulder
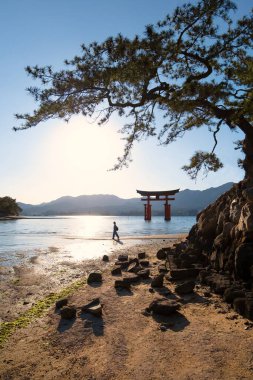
<point>144,273</point>
<point>224,235</point>
<point>95,276</point>
<point>164,306</point>
<point>94,307</point>
<point>116,271</point>
<point>121,284</point>
<point>123,257</point>
<point>221,230</point>
<point>185,288</point>
<point>60,303</point>
<point>157,281</point>
<point>244,260</point>
<point>184,273</point>
<point>131,279</point>
<point>141,255</point>
<point>68,312</point>
<point>161,254</point>
<point>246,218</point>
<point>230,294</point>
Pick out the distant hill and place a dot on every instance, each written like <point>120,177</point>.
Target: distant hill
<point>187,202</point>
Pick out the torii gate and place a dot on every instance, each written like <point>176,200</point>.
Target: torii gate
<point>157,196</point>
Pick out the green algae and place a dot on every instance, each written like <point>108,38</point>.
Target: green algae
<point>36,311</point>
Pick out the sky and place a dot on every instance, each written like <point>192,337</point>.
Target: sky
<point>56,159</point>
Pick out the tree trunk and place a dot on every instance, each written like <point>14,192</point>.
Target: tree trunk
<point>248,161</point>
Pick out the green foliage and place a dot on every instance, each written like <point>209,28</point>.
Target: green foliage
<point>9,207</point>
<point>194,67</point>
<point>202,161</point>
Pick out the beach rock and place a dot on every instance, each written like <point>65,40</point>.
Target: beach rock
<point>68,312</point>
<point>181,274</point>
<point>144,263</point>
<point>141,255</point>
<point>146,312</point>
<point>249,305</point>
<point>132,279</point>
<point>116,271</point>
<point>122,284</point>
<point>164,306</point>
<point>123,257</point>
<point>136,269</point>
<point>244,260</point>
<point>185,287</point>
<point>95,276</point>
<point>144,273</point>
<point>132,261</point>
<point>231,293</point>
<point>94,302</point>
<point>105,258</point>
<point>122,264</point>
<point>157,281</point>
<point>161,254</point>
<point>94,307</point>
<point>239,305</point>
<point>95,310</point>
<point>218,282</point>
<point>60,303</point>
<point>187,260</point>
<point>203,274</point>
<point>133,267</point>
<point>162,268</point>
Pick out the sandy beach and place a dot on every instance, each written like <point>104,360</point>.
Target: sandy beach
<point>205,339</point>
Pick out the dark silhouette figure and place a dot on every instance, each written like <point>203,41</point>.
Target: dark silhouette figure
<point>115,231</point>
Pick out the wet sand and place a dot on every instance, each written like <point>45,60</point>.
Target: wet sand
<point>52,269</point>
<point>204,340</point>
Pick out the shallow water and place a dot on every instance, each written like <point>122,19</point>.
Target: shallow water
<point>77,235</point>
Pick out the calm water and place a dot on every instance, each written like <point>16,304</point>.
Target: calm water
<point>26,236</point>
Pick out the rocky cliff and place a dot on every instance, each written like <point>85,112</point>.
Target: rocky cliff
<point>223,236</point>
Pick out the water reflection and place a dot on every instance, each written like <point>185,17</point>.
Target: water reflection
<point>80,235</point>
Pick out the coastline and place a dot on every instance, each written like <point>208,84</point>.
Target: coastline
<point>201,340</point>
<point>29,280</point>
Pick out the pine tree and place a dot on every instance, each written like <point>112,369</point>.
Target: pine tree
<point>194,67</point>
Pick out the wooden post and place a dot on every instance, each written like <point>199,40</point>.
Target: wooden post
<point>147,208</point>
<point>167,210</point>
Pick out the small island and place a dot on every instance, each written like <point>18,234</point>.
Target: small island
<point>9,209</point>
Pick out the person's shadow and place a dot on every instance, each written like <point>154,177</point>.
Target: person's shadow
<point>117,242</point>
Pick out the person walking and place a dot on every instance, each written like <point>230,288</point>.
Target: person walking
<point>115,231</point>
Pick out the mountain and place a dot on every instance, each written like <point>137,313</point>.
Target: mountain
<point>187,202</point>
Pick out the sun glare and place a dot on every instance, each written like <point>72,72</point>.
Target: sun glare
<point>77,157</point>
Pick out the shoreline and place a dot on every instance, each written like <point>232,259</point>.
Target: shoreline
<point>180,236</point>
<point>29,280</point>
<point>124,343</point>
<point>76,248</point>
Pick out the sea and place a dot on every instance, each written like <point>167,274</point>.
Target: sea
<point>80,236</point>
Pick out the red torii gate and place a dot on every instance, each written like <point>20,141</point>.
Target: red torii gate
<point>157,196</point>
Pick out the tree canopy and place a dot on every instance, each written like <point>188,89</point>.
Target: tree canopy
<point>9,207</point>
<point>195,67</point>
